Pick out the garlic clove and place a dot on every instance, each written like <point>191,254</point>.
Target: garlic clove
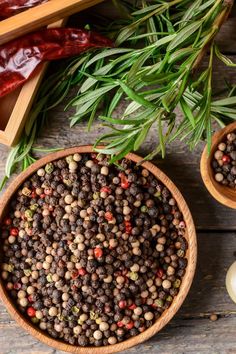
<point>231,281</point>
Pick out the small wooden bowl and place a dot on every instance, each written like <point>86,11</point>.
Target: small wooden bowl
<point>225,195</point>
<point>167,314</point>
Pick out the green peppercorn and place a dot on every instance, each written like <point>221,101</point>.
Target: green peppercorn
<point>75,309</point>
<point>34,207</point>
<point>49,278</point>
<point>158,195</point>
<point>26,191</point>
<point>27,272</point>
<point>34,320</point>
<point>169,298</point>
<point>177,283</point>
<point>67,182</point>
<point>29,214</point>
<point>180,253</point>
<point>143,208</point>
<point>9,267</point>
<point>159,302</point>
<point>49,168</point>
<point>96,195</point>
<point>133,276</point>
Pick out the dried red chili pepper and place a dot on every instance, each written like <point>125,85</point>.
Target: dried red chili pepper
<point>9,8</point>
<point>20,57</point>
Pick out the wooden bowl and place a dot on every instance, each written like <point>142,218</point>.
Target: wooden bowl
<point>225,195</point>
<point>167,314</point>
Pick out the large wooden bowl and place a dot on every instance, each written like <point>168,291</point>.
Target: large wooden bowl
<point>225,195</point>
<point>167,314</point>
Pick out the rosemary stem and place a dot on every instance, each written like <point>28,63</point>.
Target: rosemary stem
<point>212,9</point>
<point>222,16</point>
<point>159,10</point>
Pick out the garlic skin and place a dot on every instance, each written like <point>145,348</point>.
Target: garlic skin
<point>231,281</point>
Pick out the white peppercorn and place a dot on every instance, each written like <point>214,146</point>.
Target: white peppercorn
<point>103,326</point>
<point>148,316</point>
<point>77,157</point>
<point>53,311</point>
<point>97,335</point>
<point>104,170</point>
<point>166,284</point>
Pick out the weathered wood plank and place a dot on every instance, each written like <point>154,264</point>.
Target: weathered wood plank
<point>192,336</point>
<point>181,165</point>
<point>227,36</point>
<point>190,331</point>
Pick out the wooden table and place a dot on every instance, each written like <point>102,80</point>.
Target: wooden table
<point>191,331</point>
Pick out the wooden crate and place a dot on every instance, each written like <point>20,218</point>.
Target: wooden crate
<point>15,107</point>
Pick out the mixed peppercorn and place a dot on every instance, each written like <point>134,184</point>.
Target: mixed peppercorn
<point>93,254</point>
<point>224,161</point>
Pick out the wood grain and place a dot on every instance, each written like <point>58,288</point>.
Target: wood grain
<point>7,104</point>
<point>40,16</point>
<point>226,38</point>
<point>180,165</point>
<point>16,106</point>
<point>190,331</point>
<point>14,115</point>
<point>167,315</point>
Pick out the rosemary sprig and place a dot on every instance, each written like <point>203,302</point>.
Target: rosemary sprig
<point>156,78</point>
<point>154,71</point>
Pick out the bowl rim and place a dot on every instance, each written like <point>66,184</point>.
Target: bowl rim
<point>223,194</point>
<point>166,315</point>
